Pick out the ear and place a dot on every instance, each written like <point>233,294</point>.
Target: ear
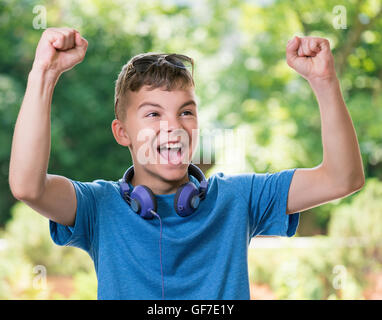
<point>120,134</point>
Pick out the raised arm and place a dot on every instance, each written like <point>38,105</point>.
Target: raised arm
<point>58,50</point>
<point>341,171</point>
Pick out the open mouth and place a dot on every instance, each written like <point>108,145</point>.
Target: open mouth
<point>171,152</point>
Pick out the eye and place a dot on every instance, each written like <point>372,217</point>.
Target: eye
<point>152,114</point>
<point>187,113</point>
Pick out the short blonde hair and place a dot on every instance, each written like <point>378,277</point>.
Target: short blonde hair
<point>160,73</point>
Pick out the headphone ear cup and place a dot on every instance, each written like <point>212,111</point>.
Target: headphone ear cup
<point>183,200</point>
<point>145,200</point>
<point>177,197</point>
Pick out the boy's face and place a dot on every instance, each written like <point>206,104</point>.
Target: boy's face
<point>161,131</point>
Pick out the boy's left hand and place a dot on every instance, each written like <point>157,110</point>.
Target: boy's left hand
<point>311,58</point>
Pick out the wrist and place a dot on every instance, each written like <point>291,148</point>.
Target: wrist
<point>326,90</point>
<point>41,73</point>
<point>326,82</point>
<point>42,81</point>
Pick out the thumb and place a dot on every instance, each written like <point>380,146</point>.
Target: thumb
<point>293,44</point>
<point>291,49</point>
<point>80,42</point>
<point>324,45</point>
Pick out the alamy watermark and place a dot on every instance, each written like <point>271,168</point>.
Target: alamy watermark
<point>39,280</point>
<point>39,21</point>
<point>339,21</point>
<point>339,281</point>
<point>218,146</point>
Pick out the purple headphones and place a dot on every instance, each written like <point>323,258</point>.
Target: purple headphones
<point>142,200</point>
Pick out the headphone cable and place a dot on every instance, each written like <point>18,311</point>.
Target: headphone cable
<point>160,249</point>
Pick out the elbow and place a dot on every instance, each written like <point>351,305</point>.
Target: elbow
<point>16,193</point>
<point>24,191</point>
<point>359,181</point>
<point>24,195</point>
<point>343,185</point>
<point>355,183</point>
<point>360,184</point>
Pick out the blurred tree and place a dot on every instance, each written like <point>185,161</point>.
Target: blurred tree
<point>262,93</point>
<point>241,77</point>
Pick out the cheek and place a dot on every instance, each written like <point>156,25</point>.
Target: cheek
<point>193,135</point>
<point>143,135</point>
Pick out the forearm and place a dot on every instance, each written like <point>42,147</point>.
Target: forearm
<point>341,154</point>
<point>32,137</point>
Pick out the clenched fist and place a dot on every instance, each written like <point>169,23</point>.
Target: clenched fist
<point>59,50</point>
<point>311,57</point>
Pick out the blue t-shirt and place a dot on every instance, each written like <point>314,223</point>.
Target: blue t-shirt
<point>204,255</point>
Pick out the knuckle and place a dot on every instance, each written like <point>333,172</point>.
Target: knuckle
<point>65,33</point>
<point>48,31</point>
<point>69,31</point>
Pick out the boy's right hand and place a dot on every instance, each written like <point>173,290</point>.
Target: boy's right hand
<point>59,50</point>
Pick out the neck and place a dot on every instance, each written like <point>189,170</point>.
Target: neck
<point>157,184</point>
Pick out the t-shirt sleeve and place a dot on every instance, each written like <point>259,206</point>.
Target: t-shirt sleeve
<point>82,233</point>
<point>268,205</point>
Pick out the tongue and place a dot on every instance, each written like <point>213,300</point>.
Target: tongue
<point>173,155</point>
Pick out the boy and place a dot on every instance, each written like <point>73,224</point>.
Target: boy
<point>202,255</point>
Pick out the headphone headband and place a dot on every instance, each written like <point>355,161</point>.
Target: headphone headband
<point>142,200</point>
<point>192,170</point>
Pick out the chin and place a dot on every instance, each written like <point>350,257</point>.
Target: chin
<point>170,172</point>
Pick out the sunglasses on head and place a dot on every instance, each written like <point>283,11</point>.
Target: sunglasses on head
<point>177,60</point>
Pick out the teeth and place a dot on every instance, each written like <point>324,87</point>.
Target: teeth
<point>177,145</point>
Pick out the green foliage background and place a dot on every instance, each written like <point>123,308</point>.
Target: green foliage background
<point>242,81</point>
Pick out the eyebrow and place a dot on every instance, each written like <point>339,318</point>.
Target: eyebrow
<point>159,106</point>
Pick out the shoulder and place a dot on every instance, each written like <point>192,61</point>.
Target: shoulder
<point>230,185</point>
<point>250,182</point>
<point>98,188</point>
<point>239,179</point>
<point>229,178</point>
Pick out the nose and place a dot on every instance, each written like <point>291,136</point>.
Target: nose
<point>171,129</point>
<point>171,123</point>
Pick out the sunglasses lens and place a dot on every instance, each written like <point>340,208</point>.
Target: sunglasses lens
<point>180,61</point>
<point>143,64</point>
